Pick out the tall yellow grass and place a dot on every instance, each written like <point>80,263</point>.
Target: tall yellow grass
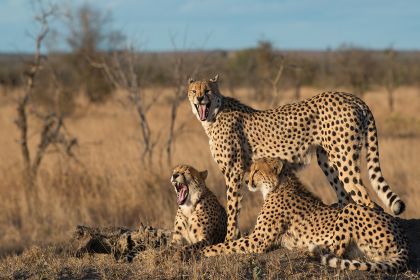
<point>111,185</point>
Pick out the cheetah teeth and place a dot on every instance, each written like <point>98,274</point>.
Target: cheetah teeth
<point>203,111</point>
<point>182,193</point>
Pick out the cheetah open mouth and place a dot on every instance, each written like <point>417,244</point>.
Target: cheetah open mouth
<point>181,192</point>
<point>203,111</point>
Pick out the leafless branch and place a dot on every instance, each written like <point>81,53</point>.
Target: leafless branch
<point>52,123</point>
<point>179,74</point>
<point>120,71</point>
<point>30,73</point>
<point>274,82</point>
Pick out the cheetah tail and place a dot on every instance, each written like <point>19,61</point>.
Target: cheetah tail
<point>389,198</point>
<point>393,264</point>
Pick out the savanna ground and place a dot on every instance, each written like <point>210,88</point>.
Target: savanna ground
<point>109,184</point>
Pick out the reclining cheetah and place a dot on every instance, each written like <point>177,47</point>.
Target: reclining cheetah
<point>334,123</point>
<point>200,221</point>
<point>298,219</point>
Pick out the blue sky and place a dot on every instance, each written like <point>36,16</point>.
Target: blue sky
<point>234,24</point>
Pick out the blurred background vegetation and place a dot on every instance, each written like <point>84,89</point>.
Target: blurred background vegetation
<point>266,69</point>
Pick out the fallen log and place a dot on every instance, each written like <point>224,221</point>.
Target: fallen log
<point>121,242</point>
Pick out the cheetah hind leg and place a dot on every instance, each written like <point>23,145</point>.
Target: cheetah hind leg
<point>332,174</point>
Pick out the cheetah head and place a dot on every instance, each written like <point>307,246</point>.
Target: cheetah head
<point>264,175</point>
<point>205,98</point>
<point>188,183</point>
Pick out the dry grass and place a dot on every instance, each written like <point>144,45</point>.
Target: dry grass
<point>113,187</point>
<point>58,263</point>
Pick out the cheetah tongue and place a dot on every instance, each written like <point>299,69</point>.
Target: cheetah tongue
<point>182,195</point>
<point>203,112</point>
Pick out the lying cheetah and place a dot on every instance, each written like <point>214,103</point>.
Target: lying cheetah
<point>299,220</point>
<point>200,221</point>
<point>335,124</point>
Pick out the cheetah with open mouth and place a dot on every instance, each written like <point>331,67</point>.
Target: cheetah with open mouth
<point>334,124</point>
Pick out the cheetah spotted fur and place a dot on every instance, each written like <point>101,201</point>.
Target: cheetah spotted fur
<point>200,219</point>
<point>334,124</point>
<point>299,220</point>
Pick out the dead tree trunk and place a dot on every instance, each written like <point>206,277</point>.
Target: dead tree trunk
<point>173,118</point>
<point>179,75</point>
<point>297,90</point>
<point>391,100</point>
<point>391,76</point>
<point>22,114</point>
<point>298,82</point>
<point>51,123</point>
<point>275,85</point>
<point>120,71</point>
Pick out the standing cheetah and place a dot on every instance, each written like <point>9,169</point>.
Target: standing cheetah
<point>335,124</point>
<point>299,220</point>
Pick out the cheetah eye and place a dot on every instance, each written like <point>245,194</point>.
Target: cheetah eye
<point>193,91</point>
<point>206,91</point>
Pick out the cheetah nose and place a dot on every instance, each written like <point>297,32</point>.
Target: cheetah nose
<point>247,182</point>
<point>200,98</point>
<point>174,176</point>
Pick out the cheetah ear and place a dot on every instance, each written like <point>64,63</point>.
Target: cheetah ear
<point>278,165</point>
<point>215,79</point>
<point>203,174</point>
<point>191,80</point>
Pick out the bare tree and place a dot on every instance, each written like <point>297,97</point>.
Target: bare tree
<point>120,69</point>
<point>274,82</point>
<point>89,34</point>
<point>297,73</point>
<point>178,94</point>
<point>104,53</point>
<point>355,66</point>
<point>179,76</point>
<point>391,80</point>
<point>266,67</point>
<point>52,123</point>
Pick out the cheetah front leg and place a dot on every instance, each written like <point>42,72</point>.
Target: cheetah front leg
<point>332,174</point>
<point>269,227</point>
<point>242,245</point>
<point>179,227</point>
<point>231,161</point>
<point>233,155</point>
<point>233,203</point>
